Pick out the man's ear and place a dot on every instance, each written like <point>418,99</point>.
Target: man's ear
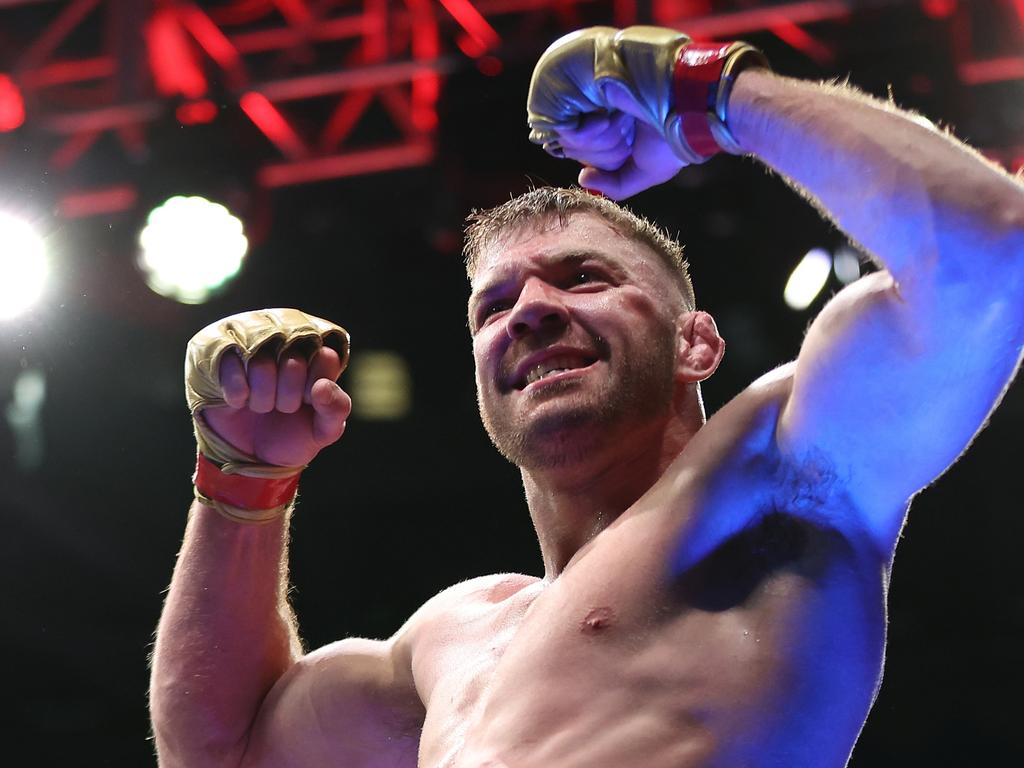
<point>700,348</point>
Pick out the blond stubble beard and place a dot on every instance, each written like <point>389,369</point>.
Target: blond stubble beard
<point>573,432</point>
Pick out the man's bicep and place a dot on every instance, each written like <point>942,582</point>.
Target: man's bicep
<point>350,703</point>
<point>892,383</point>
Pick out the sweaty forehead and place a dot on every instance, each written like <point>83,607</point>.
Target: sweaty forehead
<point>546,238</point>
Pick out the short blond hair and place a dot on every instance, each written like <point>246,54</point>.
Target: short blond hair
<point>485,226</point>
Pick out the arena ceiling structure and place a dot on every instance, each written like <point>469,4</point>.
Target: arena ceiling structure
<point>78,75</point>
<point>349,139</point>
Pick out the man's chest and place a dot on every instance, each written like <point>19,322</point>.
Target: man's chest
<point>618,655</point>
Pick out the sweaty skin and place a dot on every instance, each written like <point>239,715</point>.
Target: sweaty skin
<point>714,594</point>
<point>766,653</point>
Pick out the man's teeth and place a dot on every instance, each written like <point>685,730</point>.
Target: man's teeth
<point>553,365</point>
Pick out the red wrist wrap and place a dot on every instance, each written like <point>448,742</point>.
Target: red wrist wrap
<point>696,81</point>
<point>243,491</point>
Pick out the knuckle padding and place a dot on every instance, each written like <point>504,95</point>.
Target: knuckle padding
<point>268,331</point>
<point>570,77</point>
<point>274,332</point>
<point>562,84</point>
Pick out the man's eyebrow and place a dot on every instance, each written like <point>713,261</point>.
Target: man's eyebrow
<point>565,258</point>
<point>479,295</point>
<point>578,257</point>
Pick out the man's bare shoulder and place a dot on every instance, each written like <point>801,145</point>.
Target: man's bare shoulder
<point>462,602</point>
<point>458,604</point>
<point>368,688</point>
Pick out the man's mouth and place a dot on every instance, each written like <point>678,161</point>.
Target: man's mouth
<point>552,366</point>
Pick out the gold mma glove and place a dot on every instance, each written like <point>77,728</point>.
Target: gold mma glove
<point>227,478</point>
<point>681,86</point>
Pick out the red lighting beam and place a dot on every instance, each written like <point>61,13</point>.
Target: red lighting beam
<point>476,26</point>
<point>12,106</point>
<point>212,40</point>
<point>344,118</point>
<point>76,145</point>
<point>175,69</point>
<point>722,25</point>
<point>349,164</point>
<point>274,125</point>
<point>93,202</point>
<point>196,112</point>
<point>295,11</point>
<point>797,37</point>
<point>426,87</point>
<point>992,70</point>
<point>1018,6</point>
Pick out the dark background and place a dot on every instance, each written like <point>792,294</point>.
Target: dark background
<point>399,510</point>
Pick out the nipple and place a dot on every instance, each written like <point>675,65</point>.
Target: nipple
<point>597,619</point>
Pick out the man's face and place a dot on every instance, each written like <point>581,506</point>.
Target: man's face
<point>573,338</point>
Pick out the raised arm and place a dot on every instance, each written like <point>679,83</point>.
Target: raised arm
<point>262,391</point>
<point>902,368</point>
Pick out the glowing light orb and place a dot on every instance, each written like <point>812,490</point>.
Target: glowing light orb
<point>24,267</point>
<point>846,264</point>
<point>381,385</point>
<point>808,279</point>
<point>191,248</point>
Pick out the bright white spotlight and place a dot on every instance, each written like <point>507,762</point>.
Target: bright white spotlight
<point>24,267</point>
<point>846,264</point>
<point>191,248</point>
<point>807,279</point>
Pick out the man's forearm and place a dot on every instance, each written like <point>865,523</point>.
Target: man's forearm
<point>225,636</point>
<point>907,192</point>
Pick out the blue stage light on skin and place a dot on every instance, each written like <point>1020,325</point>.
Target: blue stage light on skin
<point>24,266</point>
<point>808,279</point>
<point>191,248</point>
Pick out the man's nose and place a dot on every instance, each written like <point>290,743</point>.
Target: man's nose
<point>539,308</point>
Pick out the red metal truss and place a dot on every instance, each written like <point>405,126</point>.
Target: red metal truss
<point>388,51</point>
<point>77,76</point>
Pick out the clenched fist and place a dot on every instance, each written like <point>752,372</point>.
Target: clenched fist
<point>262,389</point>
<point>634,105</point>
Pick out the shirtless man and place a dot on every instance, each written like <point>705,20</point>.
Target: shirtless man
<point>714,594</point>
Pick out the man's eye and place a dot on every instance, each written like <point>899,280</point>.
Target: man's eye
<point>493,308</point>
<point>584,277</point>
